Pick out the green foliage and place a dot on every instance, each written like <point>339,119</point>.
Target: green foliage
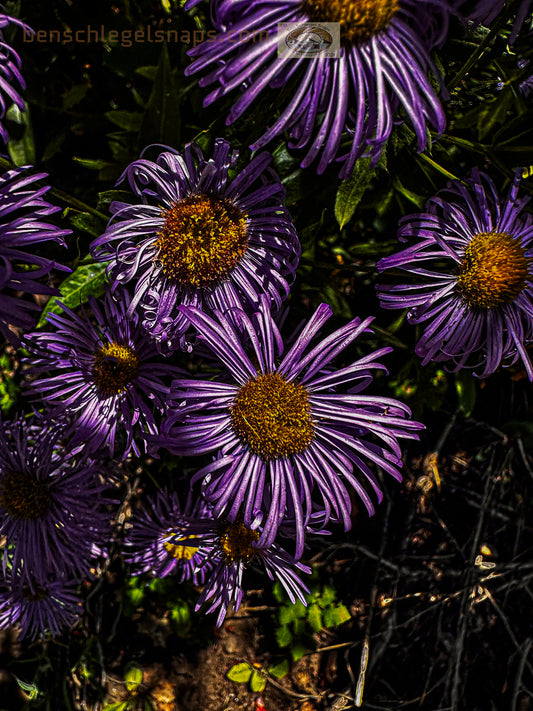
<point>422,388</point>
<point>9,389</point>
<point>297,623</point>
<point>160,593</point>
<point>351,191</point>
<point>279,669</point>
<point>161,123</point>
<point>251,674</point>
<point>466,391</point>
<point>133,677</point>
<point>21,146</point>
<point>87,280</point>
<point>30,689</point>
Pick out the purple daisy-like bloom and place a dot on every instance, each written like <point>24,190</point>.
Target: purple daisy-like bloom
<point>156,543</point>
<point>472,276</point>
<point>11,79</point>
<point>49,605</point>
<point>199,238</point>
<point>232,547</point>
<point>384,66</point>
<point>287,434</point>
<point>104,375</point>
<point>51,506</point>
<point>22,214</point>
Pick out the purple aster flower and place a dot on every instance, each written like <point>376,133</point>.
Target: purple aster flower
<point>51,505</point>
<point>157,540</point>
<point>344,107</point>
<point>199,238</point>
<point>231,548</point>
<point>102,373</point>
<point>10,77</point>
<point>22,225</point>
<point>287,434</point>
<point>470,276</point>
<point>50,605</point>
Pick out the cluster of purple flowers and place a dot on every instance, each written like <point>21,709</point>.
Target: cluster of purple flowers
<point>281,431</point>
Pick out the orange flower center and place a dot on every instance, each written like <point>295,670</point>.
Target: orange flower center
<point>236,541</point>
<point>202,240</point>
<point>360,19</point>
<point>494,270</point>
<point>115,366</point>
<point>273,416</point>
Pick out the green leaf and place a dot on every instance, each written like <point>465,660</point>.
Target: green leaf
<point>86,222</point>
<point>286,614</point>
<point>128,120</point>
<point>148,72</point>
<point>283,636</point>
<point>335,616</point>
<point>298,649</point>
<point>135,596</point>
<point>117,706</point>
<point>8,387</point>
<point>300,610</point>
<point>494,113</point>
<point>418,200</point>
<point>133,677</point>
<point>466,391</point>
<point>161,120</point>
<point>327,596</point>
<point>54,145</point>
<point>31,689</point>
<point>280,669</point>
<point>21,150</point>
<point>352,190</point>
<point>76,94</point>
<point>257,682</point>
<point>87,280</point>
<point>299,627</point>
<point>314,616</point>
<point>240,673</point>
<point>181,616</point>
<point>277,591</point>
<point>93,164</point>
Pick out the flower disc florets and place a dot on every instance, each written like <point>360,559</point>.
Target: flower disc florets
<point>115,366</point>
<point>272,416</point>
<point>470,267</point>
<point>359,20</point>
<point>493,271</point>
<point>288,439</point>
<point>23,496</point>
<point>236,541</point>
<point>202,234</point>
<point>202,240</point>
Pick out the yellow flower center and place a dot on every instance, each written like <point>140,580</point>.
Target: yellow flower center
<point>494,270</point>
<point>114,368</point>
<point>272,416</point>
<point>360,19</point>
<point>180,552</point>
<point>22,496</point>
<point>201,241</point>
<point>236,541</point>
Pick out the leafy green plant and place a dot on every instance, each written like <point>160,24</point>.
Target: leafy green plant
<point>297,623</point>
<point>160,592</point>
<point>251,674</point>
